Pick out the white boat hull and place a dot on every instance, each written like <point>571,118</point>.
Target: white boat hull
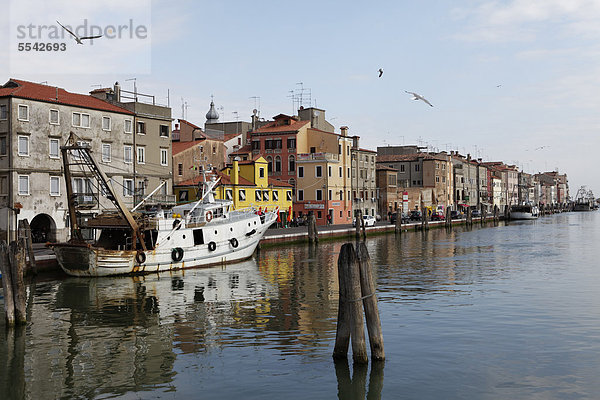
<point>220,243</point>
<point>522,215</point>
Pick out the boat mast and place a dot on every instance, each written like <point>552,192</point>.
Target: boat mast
<point>85,154</point>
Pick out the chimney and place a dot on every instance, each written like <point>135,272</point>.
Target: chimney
<point>344,130</point>
<point>234,172</point>
<point>176,127</point>
<point>468,156</point>
<point>117,92</point>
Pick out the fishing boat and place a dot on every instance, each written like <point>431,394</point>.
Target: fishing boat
<point>152,239</point>
<point>584,200</point>
<point>523,211</point>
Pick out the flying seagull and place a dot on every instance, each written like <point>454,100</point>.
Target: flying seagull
<point>77,38</point>
<point>419,97</point>
<point>380,72</point>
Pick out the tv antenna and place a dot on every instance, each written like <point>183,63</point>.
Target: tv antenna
<point>256,98</point>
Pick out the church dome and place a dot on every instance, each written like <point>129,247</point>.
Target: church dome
<point>212,115</point>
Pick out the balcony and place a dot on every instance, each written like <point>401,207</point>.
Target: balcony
<point>317,157</point>
<point>85,200</point>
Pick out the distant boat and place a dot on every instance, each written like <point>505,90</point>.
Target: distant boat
<point>202,233</point>
<point>584,200</point>
<point>524,211</point>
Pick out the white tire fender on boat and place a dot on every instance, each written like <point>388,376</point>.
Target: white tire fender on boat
<point>208,216</point>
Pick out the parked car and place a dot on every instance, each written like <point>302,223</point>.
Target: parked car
<point>369,220</point>
<point>415,215</point>
<point>454,214</point>
<point>394,216</point>
<point>437,216</point>
<point>476,213</point>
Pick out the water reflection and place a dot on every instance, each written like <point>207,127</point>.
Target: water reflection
<point>356,388</point>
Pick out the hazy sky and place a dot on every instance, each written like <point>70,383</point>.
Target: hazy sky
<point>513,80</point>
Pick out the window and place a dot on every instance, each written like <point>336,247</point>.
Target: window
<point>270,163</point>
<point>275,195</point>
<point>106,152</point>
<point>330,195</point>
<point>300,195</point>
<point>128,126</point>
<point>417,168</point>
<point>288,195</point>
<point>339,149</point>
<point>291,143</point>
<point>3,111</point>
<point>319,194</point>
<point>141,154</point>
<point>313,150</point>
<point>261,172</point>
<point>23,146</point>
<point>300,172</point>
<point>23,114</point>
<point>54,186</point>
<point>258,195</point>
<point>24,185</point>
<point>3,146</point>
<point>228,194</point>
<point>242,194</point>
<point>292,164</point>
<point>214,149</point>
<point>141,128</point>
<point>329,171</point>
<point>401,168</point>
<point>277,164</point>
<point>319,215</point>
<point>106,123</point>
<point>318,171</point>
<point>54,120</point>
<point>340,171</point>
<point>256,145</point>
<point>3,185</point>
<point>164,157</point>
<point>164,131</point>
<point>265,195</point>
<point>81,120</point>
<point>128,154</point>
<point>180,169</point>
<point>127,187</point>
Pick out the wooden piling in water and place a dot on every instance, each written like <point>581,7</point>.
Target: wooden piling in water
<point>12,263</point>
<point>469,217</point>
<point>358,223</point>
<point>9,305</point>
<point>24,231</point>
<point>350,321</point>
<point>448,221</point>
<point>367,286</point>
<point>483,214</point>
<point>313,233</point>
<point>398,226</point>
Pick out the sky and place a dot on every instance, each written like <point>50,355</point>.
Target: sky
<point>514,80</point>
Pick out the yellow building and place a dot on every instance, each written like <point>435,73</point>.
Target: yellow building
<point>247,184</point>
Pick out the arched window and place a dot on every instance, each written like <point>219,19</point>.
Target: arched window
<point>292,164</point>
<point>277,164</point>
<point>270,163</point>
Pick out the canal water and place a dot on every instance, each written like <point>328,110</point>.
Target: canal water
<point>507,311</point>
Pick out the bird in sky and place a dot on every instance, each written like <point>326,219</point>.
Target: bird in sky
<point>380,72</point>
<point>498,85</point>
<point>419,97</point>
<point>77,38</point>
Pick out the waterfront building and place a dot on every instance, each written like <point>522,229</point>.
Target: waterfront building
<point>35,120</point>
<point>246,184</point>
<point>425,178</point>
<point>466,181</point>
<point>365,194</point>
<point>151,143</point>
<point>291,144</point>
<point>390,198</point>
<point>194,151</point>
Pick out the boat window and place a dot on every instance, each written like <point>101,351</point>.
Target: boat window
<point>198,237</point>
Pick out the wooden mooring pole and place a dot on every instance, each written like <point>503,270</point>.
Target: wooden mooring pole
<point>12,264</point>
<point>24,231</point>
<point>313,233</point>
<point>356,285</point>
<point>398,227</point>
<point>448,221</point>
